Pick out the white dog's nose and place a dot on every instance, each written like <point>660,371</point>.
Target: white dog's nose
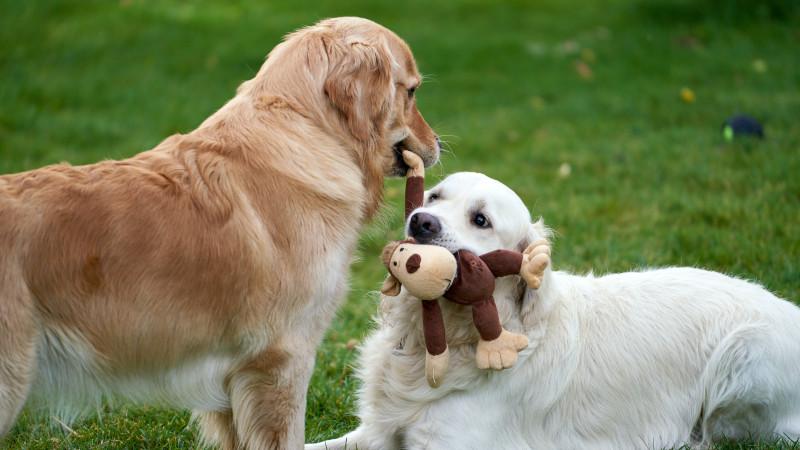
<point>423,226</point>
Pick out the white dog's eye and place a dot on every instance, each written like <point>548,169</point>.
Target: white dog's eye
<point>433,197</point>
<point>481,221</point>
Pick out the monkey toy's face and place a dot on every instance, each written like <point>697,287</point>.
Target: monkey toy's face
<point>427,271</point>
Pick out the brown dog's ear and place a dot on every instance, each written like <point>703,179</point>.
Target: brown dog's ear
<point>359,84</point>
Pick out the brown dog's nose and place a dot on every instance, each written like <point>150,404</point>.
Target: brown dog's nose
<point>423,226</point>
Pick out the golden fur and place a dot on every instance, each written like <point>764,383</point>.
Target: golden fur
<point>202,273</point>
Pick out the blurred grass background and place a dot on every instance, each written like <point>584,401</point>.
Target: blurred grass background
<point>604,116</point>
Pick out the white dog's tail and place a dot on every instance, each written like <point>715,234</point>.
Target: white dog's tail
<point>738,388</point>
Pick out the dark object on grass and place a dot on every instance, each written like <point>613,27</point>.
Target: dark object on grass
<point>741,125</point>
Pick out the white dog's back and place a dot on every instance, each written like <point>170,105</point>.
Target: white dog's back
<point>671,357</point>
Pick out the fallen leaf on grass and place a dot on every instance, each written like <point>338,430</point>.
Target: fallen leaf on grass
<point>687,95</point>
<point>584,70</point>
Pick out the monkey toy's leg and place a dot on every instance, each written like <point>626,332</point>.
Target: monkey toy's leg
<point>437,357</point>
<point>497,348</point>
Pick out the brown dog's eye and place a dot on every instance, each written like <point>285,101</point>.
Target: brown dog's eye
<point>411,92</point>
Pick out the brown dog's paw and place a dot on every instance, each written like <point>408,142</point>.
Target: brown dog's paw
<point>500,353</point>
<point>535,260</point>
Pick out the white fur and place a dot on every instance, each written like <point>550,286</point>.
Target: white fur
<point>71,380</point>
<point>648,359</point>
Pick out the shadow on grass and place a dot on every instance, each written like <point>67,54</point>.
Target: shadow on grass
<point>722,11</point>
<point>751,443</point>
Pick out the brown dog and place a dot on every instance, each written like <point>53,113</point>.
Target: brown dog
<point>202,274</point>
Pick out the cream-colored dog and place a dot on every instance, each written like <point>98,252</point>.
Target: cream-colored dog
<point>649,359</point>
<point>202,274</point>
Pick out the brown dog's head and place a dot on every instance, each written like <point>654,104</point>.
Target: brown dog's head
<point>372,81</point>
<point>357,79</point>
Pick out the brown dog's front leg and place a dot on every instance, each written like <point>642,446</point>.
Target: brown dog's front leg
<point>268,396</point>
<point>216,429</point>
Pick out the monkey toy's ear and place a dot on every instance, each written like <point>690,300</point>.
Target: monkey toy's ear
<point>388,251</point>
<point>391,286</point>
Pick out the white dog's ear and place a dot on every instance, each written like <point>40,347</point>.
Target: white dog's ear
<point>535,303</point>
<point>359,84</point>
<point>537,230</point>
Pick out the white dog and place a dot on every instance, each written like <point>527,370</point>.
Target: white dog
<point>648,359</point>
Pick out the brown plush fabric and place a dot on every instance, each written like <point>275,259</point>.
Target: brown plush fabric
<point>415,193</point>
<point>433,327</point>
<point>474,285</point>
<point>503,262</point>
<point>474,281</point>
<point>484,315</point>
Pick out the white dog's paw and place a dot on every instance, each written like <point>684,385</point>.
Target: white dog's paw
<point>535,260</point>
<point>500,353</point>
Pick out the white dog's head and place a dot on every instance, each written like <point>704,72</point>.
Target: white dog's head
<point>470,211</point>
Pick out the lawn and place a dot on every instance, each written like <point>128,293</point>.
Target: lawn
<point>605,117</point>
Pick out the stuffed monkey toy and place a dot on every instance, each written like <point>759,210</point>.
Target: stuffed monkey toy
<point>430,271</point>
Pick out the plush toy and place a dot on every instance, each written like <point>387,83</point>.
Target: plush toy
<point>429,272</point>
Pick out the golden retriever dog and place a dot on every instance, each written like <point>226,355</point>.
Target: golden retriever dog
<point>640,360</point>
<point>203,273</point>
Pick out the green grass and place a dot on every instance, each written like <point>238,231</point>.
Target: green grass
<point>519,89</point>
